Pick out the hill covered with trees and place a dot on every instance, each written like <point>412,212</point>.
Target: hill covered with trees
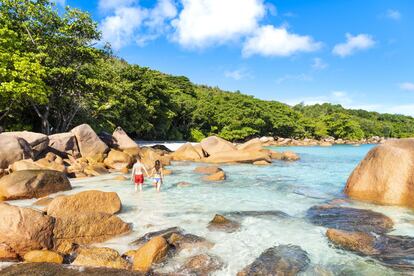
<point>54,75</point>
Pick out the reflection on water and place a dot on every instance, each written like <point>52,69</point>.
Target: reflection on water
<point>292,188</point>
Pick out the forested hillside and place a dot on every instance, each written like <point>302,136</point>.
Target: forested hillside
<point>55,74</point>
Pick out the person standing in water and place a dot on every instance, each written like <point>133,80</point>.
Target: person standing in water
<point>138,174</point>
<point>157,175</point>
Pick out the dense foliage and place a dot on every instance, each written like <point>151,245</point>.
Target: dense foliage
<point>54,75</point>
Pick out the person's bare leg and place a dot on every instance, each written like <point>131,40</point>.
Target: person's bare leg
<point>140,187</point>
<point>158,186</point>
<point>136,188</point>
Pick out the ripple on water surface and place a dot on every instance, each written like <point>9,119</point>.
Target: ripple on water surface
<point>291,187</point>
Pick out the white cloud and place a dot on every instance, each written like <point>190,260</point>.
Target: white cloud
<point>237,74</point>
<point>202,23</point>
<point>164,10</point>
<point>119,29</point>
<point>353,44</point>
<point>319,64</point>
<point>408,86</point>
<point>393,14</point>
<point>271,41</point>
<point>109,5</point>
<point>300,77</point>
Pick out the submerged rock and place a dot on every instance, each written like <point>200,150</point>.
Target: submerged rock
<point>259,214</point>
<point>218,176</point>
<point>349,219</point>
<point>188,241</point>
<point>165,233</point>
<point>207,169</point>
<point>396,252</point>
<point>203,264</point>
<point>221,223</point>
<point>278,260</point>
<point>100,257</point>
<point>151,252</point>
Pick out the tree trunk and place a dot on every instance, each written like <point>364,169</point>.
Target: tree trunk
<point>45,125</point>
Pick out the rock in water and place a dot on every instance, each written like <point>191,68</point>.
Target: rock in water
<point>385,175</point>
<point>13,149</point>
<point>89,143</point>
<point>37,141</point>
<point>186,153</point>
<point>86,228</point>
<point>258,214</point>
<point>43,256</point>
<point>152,252</point>
<point>166,234</point>
<point>118,160</point>
<point>32,184</point>
<point>278,260</point>
<point>202,264</point>
<point>84,202</point>
<point>207,169</point>
<point>64,144</point>
<point>100,257</point>
<point>349,219</point>
<point>123,141</point>
<point>218,176</point>
<point>213,145</point>
<point>290,156</point>
<point>220,223</point>
<point>355,241</point>
<point>188,241</point>
<point>24,229</point>
<point>238,156</point>
<point>254,145</point>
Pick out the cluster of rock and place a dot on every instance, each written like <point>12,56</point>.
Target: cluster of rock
<point>217,150</point>
<point>78,153</point>
<point>324,142</point>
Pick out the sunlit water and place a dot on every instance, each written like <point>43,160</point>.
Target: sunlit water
<point>291,187</point>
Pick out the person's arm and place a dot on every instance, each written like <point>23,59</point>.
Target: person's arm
<point>162,174</point>
<point>145,170</point>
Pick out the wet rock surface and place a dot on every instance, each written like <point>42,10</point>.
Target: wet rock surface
<point>349,219</point>
<point>258,214</point>
<point>278,260</point>
<point>201,265</point>
<point>221,223</point>
<point>396,252</point>
<point>165,233</point>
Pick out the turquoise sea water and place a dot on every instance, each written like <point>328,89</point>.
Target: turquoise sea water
<point>291,187</point>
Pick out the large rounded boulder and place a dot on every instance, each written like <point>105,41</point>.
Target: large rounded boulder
<point>37,141</point>
<point>32,184</point>
<point>385,175</point>
<point>13,149</point>
<point>186,152</point>
<point>117,160</point>
<point>24,229</point>
<point>84,202</point>
<point>64,144</point>
<point>90,145</point>
<point>122,140</point>
<point>213,145</point>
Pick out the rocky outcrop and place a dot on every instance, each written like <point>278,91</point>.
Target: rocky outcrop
<point>7,253</point>
<point>89,143</point>
<point>218,176</point>
<point>24,229</point>
<point>290,156</point>
<point>100,257</point>
<point>202,264</point>
<point>221,223</point>
<point>86,228</point>
<point>13,149</point>
<point>32,184</point>
<point>278,260</point>
<point>149,156</point>
<point>349,219</point>
<point>122,140</point>
<point>355,241</point>
<point>37,141</point>
<point>213,145</point>
<point>207,169</point>
<point>182,241</point>
<point>385,175</point>
<point>118,160</point>
<point>238,156</point>
<point>64,144</point>
<point>43,256</point>
<point>150,253</point>
<point>186,153</point>
<point>84,202</point>
<point>253,145</point>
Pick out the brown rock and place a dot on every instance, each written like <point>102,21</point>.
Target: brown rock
<point>124,170</point>
<point>96,169</point>
<point>25,164</point>
<point>290,156</point>
<point>186,153</point>
<point>385,175</point>
<point>221,223</point>
<point>13,149</point>
<point>149,156</point>
<point>120,178</point>
<point>43,256</point>
<point>355,241</point>
<point>45,201</point>
<point>34,183</point>
<point>83,202</point>
<point>64,144</point>
<point>37,141</point>
<point>118,160</point>
<point>239,156</point>
<point>207,169</point>
<point>276,155</point>
<point>123,141</point>
<point>199,150</point>
<point>88,142</point>
<point>87,228</point>
<point>152,252</point>
<point>213,145</point>
<point>261,163</point>
<point>182,241</point>
<point>24,229</point>
<point>202,264</point>
<point>167,172</point>
<point>100,257</point>
<point>7,254</point>
<point>218,176</point>
<point>51,165</point>
<point>253,145</point>
<point>325,144</point>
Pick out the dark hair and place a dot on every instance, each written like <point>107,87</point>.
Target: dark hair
<point>157,165</point>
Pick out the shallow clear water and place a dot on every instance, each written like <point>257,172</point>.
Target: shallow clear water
<point>291,187</point>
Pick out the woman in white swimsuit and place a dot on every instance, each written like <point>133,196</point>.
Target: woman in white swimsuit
<point>157,175</point>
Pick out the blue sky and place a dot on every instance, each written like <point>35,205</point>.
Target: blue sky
<point>352,52</point>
